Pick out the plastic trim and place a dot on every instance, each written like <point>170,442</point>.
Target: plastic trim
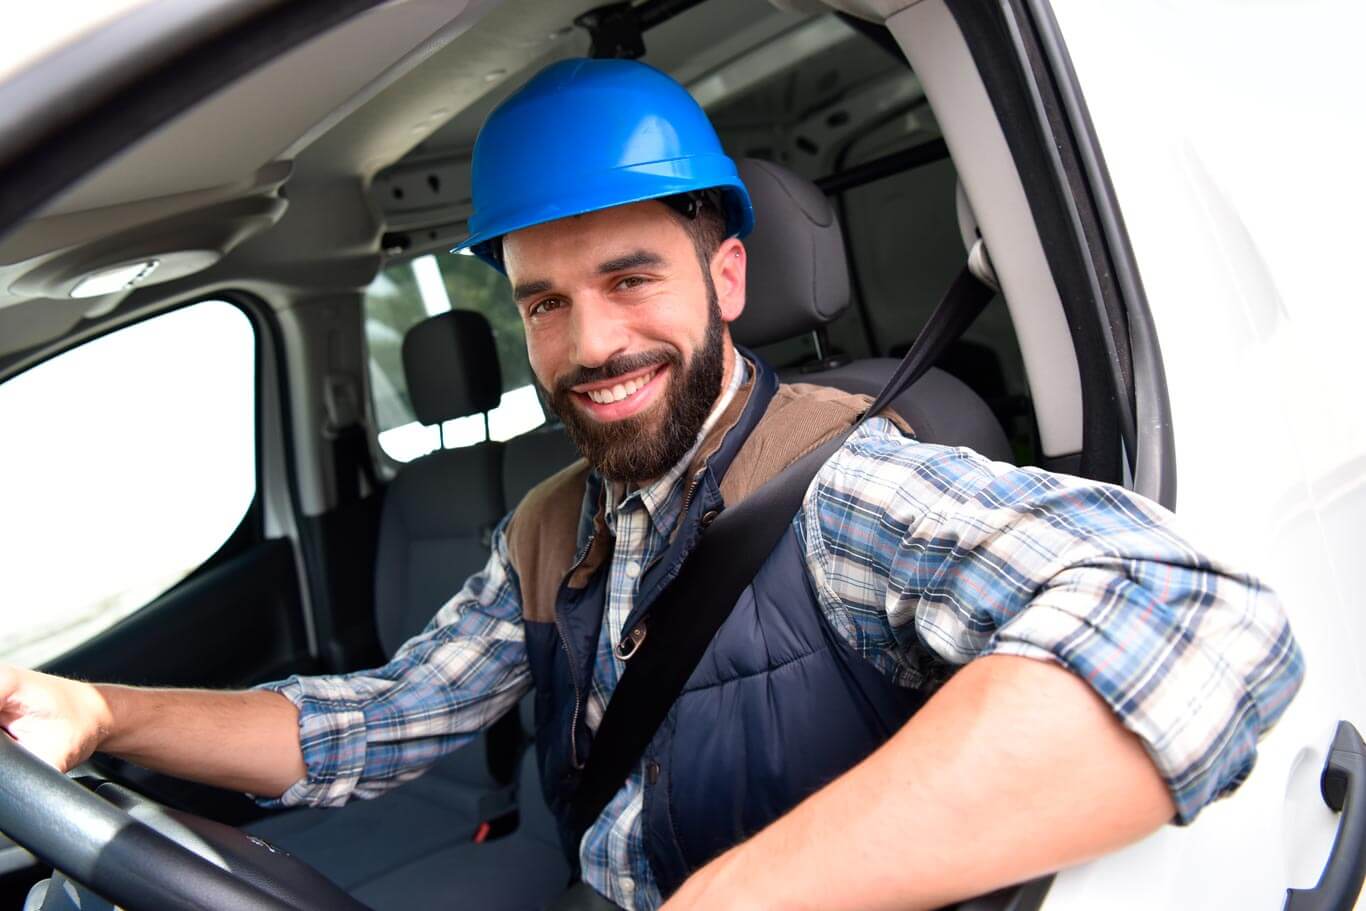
<point>1154,472</point>
<point>1062,157</point>
<point>183,59</point>
<point>1003,68</point>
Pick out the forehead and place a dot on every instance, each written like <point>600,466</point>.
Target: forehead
<point>582,242</point>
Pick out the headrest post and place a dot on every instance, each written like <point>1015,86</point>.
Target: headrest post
<point>818,340</point>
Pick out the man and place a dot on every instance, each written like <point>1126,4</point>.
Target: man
<point>950,675</point>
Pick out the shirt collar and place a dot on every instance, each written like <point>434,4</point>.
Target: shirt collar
<point>656,495</point>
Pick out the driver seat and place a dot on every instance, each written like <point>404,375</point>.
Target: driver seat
<point>798,282</point>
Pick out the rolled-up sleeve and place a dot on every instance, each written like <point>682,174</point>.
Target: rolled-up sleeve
<point>965,557</point>
<point>365,732</point>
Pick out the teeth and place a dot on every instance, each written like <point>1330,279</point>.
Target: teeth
<point>620,390</point>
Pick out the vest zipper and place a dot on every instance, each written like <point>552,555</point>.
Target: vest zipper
<point>692,489</point>
<point>573,662</point>
<point>574,719</point>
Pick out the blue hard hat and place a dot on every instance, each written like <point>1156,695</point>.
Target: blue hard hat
<point>584,135</point>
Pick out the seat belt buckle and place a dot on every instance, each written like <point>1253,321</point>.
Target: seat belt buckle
<point>630,643</point>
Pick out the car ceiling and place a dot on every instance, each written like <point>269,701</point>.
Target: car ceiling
<point>272,174</point>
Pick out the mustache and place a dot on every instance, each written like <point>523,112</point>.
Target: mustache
<point>617,366</point>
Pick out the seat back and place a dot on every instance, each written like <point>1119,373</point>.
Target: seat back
<point>798,281</point>
<point>532,457</point>
<point>535,819</point>
<point>440,509</point>
<point>434,534</point>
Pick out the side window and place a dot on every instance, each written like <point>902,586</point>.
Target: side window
<point>406,293</point>
<point>128,461</point>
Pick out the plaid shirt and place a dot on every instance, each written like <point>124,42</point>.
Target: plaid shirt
<point>924,557</point>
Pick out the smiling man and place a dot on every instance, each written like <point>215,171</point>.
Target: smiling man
<point>614,336</point>
<point>950,674</point>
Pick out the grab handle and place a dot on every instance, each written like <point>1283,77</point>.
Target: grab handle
<point>1343,785</point>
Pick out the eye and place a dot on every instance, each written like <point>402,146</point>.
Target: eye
<point>544,306</point>
<point>630,282</point>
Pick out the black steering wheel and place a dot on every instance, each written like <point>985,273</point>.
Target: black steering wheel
<point>141,855</point>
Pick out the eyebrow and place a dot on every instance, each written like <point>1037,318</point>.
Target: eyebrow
<point>528,289</point>
<point>637,260</point>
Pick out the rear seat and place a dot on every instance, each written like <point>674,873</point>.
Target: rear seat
<point>439,512</point>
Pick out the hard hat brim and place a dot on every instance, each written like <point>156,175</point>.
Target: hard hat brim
<point>623,186</point>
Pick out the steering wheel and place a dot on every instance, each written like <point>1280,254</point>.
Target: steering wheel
<point>141,855</point>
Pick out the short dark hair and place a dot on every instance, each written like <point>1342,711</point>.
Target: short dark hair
<point>702,214</point>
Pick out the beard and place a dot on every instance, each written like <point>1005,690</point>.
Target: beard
<point>644,446</point>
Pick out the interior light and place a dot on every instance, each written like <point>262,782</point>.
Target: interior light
<point>119,278</point>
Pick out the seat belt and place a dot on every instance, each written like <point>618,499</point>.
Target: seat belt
<point>686,616</point>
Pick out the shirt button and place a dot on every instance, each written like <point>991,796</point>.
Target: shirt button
<point>652,772</point>
<point>628,885</point>
<point>633,569</point>
<point>709,517</point>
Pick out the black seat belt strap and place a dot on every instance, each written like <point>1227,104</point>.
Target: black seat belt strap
<point>965,300</point>
<point>682,623</point>
<point>686,616</point>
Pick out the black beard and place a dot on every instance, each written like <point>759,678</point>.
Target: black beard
<point>643,447</point>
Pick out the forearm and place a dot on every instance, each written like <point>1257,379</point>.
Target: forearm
<point>1014,769</point>
<point>244,741</point>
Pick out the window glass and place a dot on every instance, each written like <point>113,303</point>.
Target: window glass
<point>128,461</point>
<point>406,293</point>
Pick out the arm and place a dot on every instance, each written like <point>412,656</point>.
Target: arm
<point>927,558</point>
<point>366,732</point>
<point>1014,769</point>
<point>317,740</point>
<point>244,740</point>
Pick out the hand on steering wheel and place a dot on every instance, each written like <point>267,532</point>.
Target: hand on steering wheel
<point>121,846</point>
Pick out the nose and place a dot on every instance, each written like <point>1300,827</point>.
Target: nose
<point>599,329</point>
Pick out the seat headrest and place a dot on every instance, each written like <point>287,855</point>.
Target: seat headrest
<point>452,367</point>
<point>798,279</point>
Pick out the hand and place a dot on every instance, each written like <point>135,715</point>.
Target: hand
<point>60,721</point>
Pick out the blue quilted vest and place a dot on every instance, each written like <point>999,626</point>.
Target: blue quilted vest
<point>778,706</point>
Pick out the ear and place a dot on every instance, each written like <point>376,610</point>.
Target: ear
<point>728,274</point>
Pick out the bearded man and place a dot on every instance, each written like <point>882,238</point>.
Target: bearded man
<point>949,675</point>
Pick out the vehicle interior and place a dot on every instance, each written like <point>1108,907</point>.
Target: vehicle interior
<point>263,423</point>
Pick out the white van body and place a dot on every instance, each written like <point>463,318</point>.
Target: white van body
<point>1235,152</point>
